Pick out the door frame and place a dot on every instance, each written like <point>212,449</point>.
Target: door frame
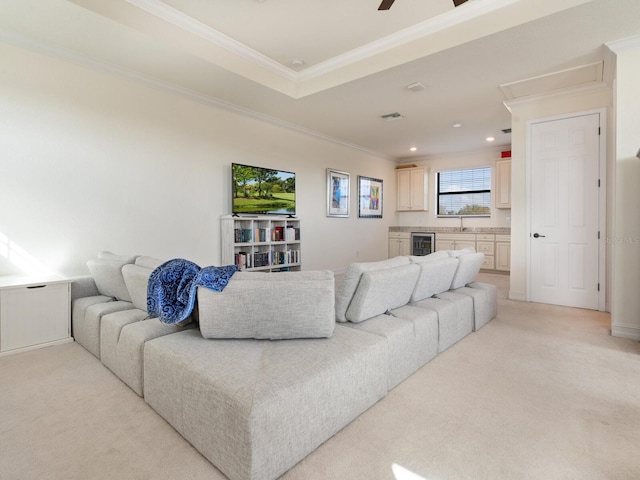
<point>602,194</point>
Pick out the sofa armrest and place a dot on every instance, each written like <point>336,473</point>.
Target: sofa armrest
<point>83,287</point>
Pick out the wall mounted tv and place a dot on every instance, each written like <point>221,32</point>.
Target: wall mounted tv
<point>259,190</point>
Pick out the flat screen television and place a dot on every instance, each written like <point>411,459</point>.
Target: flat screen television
<point>259,190</point>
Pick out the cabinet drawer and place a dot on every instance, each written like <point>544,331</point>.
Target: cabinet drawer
<point>490,237</point>
<point>488,263</point>
<point>503,238</point>
<point>467,237</point>
<point>485,247</point>
<point>400,235</point>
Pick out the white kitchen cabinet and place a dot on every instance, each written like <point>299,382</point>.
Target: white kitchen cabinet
<point>399,244</point>
<point>455,241</point>
<point>496,247</point>
<point>503,184</point>
<point>503,253</point>
<point>412,187</point>
<point>34,312</point>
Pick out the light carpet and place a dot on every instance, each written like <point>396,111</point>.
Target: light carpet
<point>541,392</point>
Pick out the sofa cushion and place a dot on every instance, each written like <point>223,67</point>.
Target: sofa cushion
<point>148,262</point>
<point>435,277</point>
<point>270,306</point>
<point>462,251</point>
<point>136,278</point>
<point>411,340</point>
<point>468,267</point>
<point>255,408</point>
<point>107,273</point>
<point>427,258</point>
<point>382,290</point>
<point>351,278</point>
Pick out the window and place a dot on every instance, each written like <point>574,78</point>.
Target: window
<point>464,192</point>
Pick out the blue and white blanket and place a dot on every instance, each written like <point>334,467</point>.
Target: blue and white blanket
<point>171,293</point>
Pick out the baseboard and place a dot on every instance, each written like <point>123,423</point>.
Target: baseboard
<point>625,331</point>
<point>517,296</point>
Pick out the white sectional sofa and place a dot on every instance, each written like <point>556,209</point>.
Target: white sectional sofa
<point>279,362</point>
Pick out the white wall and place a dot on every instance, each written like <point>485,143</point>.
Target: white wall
<point>91,161</point>
<point>481,158</point>
<point>625,312</point>
<point>521,114</point>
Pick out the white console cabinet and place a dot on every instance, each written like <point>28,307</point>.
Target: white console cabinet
<point>34,312</point>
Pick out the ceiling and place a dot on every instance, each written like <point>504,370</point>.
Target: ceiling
<point>332,68</point>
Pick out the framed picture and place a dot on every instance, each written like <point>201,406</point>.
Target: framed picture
<point>369,197</point>
<point>337,193</point>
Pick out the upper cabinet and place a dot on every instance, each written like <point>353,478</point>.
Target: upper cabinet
<point>412,186</point>
<point>503,184</point>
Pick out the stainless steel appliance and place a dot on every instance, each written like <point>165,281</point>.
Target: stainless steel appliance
<point>423,243</point>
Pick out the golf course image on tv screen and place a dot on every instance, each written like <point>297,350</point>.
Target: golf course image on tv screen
<point>259,190</point>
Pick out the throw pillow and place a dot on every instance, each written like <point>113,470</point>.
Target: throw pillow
<point>281,305</point>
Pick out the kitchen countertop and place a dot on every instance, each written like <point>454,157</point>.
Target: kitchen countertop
<point>498,230</point>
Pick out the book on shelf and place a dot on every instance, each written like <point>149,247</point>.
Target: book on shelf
<point>244,260</point>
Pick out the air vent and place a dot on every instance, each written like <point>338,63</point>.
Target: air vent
<point>390,117</point>
<point>506,130</point>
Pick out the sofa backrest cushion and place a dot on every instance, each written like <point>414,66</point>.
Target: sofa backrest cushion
<point>428,258</point>
<point>280,305</point>
<point>435,277</point>
<point>106,271</point>
<point>349,283</point>
<point>462,251</point>
<point>468,268</point>
<point>382,290</point>
<point>149,262</point>
<point>136,278</point>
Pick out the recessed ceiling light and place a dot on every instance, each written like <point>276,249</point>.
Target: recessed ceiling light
<point>456,124</point>
<point>490,139</point>
<point>413,149</point>
<point>297,63</point>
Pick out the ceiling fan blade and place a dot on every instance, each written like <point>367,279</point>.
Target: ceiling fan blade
<point>457,3</point>
<point>386,4</point>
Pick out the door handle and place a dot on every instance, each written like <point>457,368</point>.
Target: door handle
<point>537,235</point>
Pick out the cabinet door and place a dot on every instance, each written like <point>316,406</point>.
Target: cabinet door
<point>405,246</point>
<point>503,256</point>
<point>394,247</point>
<point>404,189</point>
<point>33,315</point>
<point>411,189</point>
<point>445,244</point>
<point>418,189</point>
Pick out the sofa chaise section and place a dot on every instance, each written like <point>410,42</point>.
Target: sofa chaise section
<point>255,408</point>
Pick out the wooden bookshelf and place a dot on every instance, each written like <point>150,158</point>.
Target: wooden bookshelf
<point>261,242</point>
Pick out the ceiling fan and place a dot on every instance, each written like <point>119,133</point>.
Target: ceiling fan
<point>386,4</point>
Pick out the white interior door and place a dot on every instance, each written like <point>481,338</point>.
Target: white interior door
<point>565,164</point>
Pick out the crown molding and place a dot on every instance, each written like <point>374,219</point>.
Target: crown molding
<point>428,27</point>
<point>191,25</point>
<point>626,44</point>
<point>567,92</point>
<point>82,60</point>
